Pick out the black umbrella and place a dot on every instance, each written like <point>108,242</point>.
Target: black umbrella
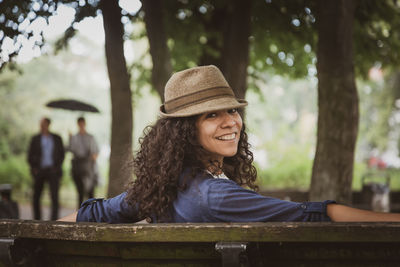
<point>72,104</point>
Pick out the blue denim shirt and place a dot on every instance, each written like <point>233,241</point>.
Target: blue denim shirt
<point>47,144</point>
<point>208,199</point>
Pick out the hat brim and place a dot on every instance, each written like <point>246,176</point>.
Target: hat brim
<point>205,107</point>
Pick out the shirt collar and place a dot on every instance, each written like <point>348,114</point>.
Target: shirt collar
<point>218,176</point>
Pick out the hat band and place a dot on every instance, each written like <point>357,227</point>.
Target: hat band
<point>197,97</point>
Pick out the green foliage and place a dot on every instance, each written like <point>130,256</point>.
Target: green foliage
<point>378,111</point>
<point>376,34</point>
<point>15,17</point>
<point>192,40</point>
<point>283,37</point>
<point>282,131</point>
<point>284,34</point>
<point>14,170</point>
<point>12,140</point>
<point>291,170</point>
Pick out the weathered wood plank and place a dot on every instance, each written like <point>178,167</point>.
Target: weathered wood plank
<point>41,243</point>
<point>202,232</point>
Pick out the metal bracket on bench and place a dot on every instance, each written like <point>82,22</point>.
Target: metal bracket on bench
<point>230,252</point>
<point>5,257</point>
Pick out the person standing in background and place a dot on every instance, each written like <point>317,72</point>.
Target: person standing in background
<point>45,157</point>
<point>84,168</point>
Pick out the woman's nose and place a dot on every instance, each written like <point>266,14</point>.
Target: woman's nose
<point>228,120</point>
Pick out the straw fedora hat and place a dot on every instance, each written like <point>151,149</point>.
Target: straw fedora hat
<point>198,90</point>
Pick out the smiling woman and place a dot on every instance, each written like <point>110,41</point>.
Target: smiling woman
<point>194,163</point>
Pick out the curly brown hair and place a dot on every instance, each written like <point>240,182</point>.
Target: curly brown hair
<point>166,149</point>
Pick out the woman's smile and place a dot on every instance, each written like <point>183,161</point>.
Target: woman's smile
<point>227,137</point>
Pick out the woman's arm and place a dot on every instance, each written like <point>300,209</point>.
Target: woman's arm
<point>341,213</point>
<point>69,218</point>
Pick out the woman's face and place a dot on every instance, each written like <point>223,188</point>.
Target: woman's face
<point>219,133</point>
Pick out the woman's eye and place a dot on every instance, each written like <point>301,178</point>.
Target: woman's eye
<point>233,110</point>
<point>211,115</point>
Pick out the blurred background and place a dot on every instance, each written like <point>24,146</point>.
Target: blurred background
<point>59,50</point>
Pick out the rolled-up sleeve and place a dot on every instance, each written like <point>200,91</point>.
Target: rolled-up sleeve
<point>229,202</point>
<point>113,210</point>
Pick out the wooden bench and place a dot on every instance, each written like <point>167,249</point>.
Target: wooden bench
<point>39,243</point>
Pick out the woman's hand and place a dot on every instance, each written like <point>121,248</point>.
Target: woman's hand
<point>69,218</point>
<point>341,213</point>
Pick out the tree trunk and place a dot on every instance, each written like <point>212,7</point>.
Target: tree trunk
<point>235,52</point>
<point>121,100</point>
<point>214,26</point>
<point>337,102</point>
<point>159,51</point>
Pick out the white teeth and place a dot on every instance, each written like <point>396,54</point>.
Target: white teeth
<point>227,137</point>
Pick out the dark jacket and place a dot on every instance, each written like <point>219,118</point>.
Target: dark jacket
<point>35,153</point>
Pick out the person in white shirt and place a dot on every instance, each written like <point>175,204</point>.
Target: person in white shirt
<point>84,168</point>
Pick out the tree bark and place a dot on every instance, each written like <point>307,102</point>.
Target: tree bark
<point>235,52</point>
<point>121,100</point>
<point>162,68</point>
<point>337,102</point>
